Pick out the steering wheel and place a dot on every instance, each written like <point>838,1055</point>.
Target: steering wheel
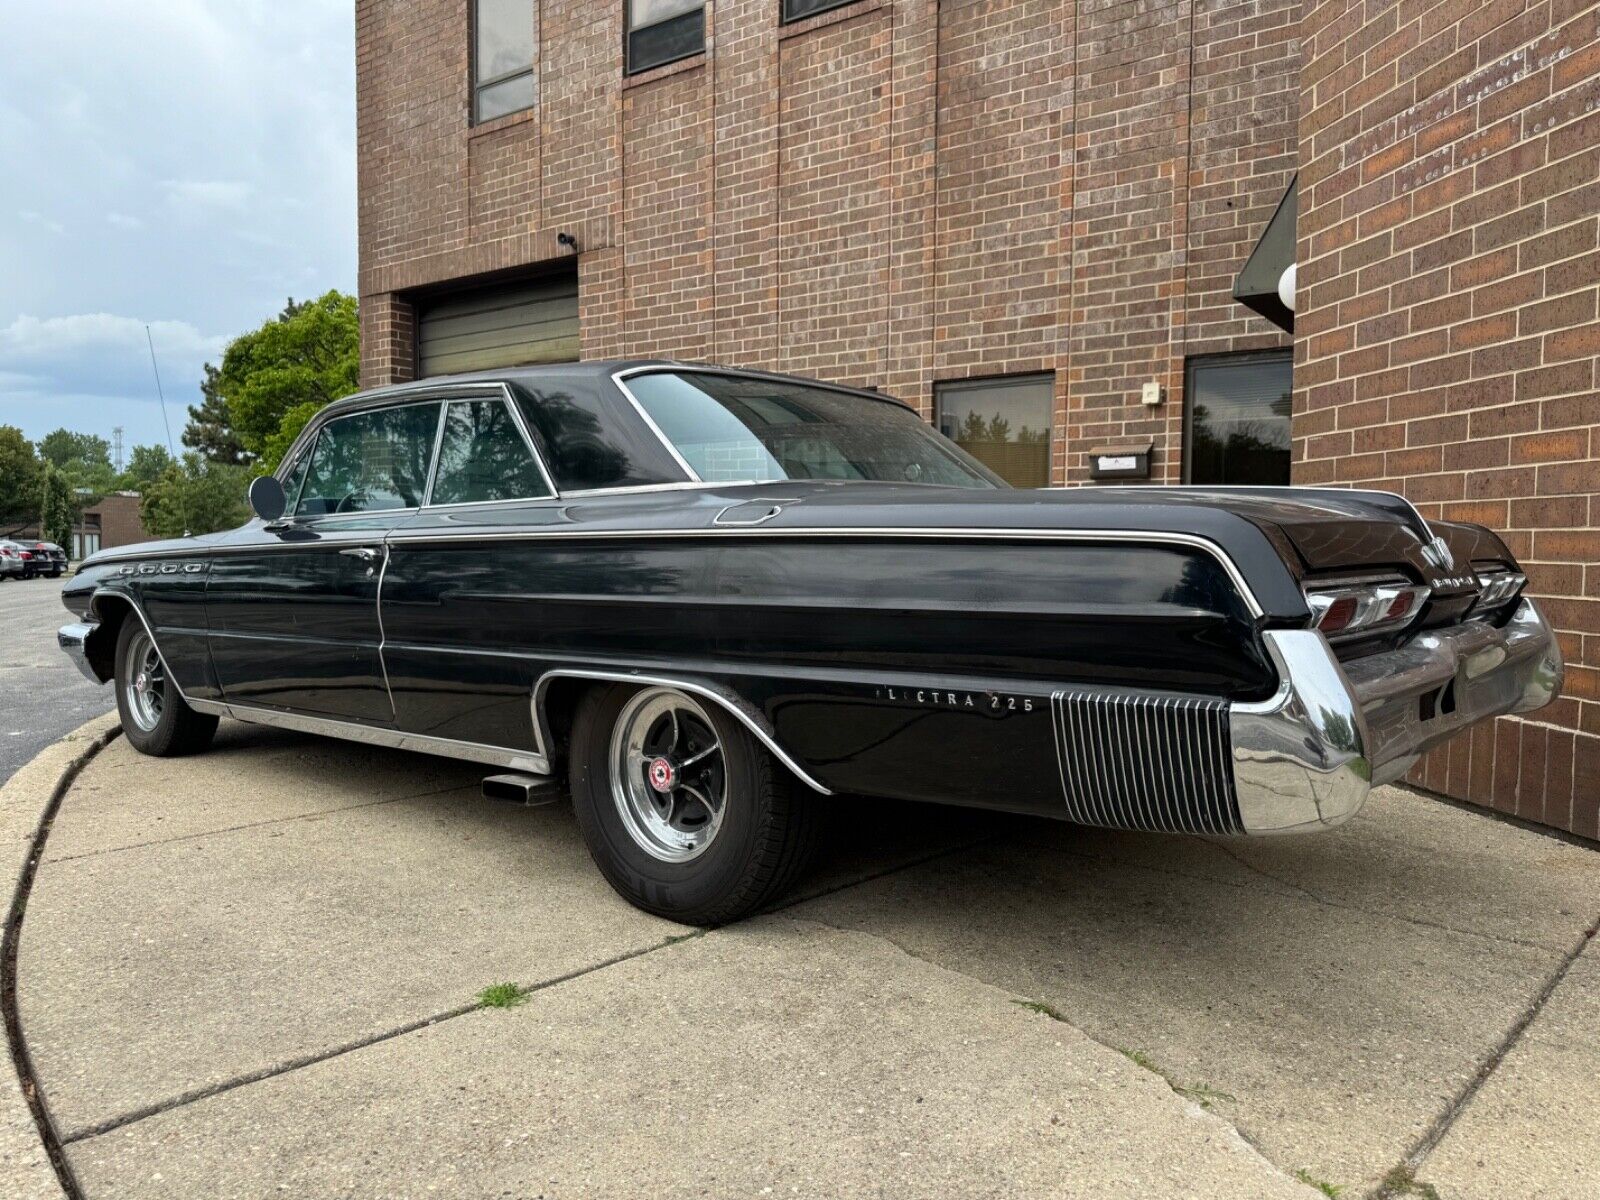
<point>348,504</point>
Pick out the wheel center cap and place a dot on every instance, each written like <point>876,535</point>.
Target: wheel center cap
<point>141,683</point>
<point>663,775</point>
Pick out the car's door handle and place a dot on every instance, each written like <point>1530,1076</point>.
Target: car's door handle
<point>365,553</point>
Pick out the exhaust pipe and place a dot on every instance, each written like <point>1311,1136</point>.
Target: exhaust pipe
<point>531,791</point>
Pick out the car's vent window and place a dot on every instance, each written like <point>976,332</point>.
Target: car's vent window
<point>370,461</point>
<point>592,438</point>
<point>483,457</point>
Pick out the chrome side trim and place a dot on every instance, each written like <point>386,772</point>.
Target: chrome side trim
<point>789,531</point>
<point>727,699</point>
<point>372,735</point>
<point>149,629</point>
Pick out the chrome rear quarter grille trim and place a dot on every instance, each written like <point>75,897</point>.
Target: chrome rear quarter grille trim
<point>1156,763</point>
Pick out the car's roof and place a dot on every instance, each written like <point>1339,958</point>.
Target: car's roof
<point>532,376</point>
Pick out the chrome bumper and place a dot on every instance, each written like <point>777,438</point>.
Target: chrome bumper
<point>1306,758</point>
<point>74,640</point>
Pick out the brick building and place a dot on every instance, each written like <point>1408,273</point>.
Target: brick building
<point>1028,218</point>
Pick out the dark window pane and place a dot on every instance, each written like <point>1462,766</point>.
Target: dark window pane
<point>733,427</point>
<point>371,462</point>
<point>505,38</point>
<point>1003,423</point>
<point>591,437</point>
<point>672,39</point>
<point>507,96</point>
<point>793,10</point>
<point>483,457</point>
<point>1239,420</point>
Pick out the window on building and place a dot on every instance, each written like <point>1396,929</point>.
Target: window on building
<point>1238,418</point>
<point>795,10</point>
<point>502,59</point>
<point>663,31</point>
<point>1003,423</point>
<point>483,457</point>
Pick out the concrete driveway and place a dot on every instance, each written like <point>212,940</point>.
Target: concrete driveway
<point>253,973</point>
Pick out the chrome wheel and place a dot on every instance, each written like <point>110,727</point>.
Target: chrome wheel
<point>668,776</point>
<point>144,682</point>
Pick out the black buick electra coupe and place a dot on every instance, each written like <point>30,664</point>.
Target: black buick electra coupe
<point>705,595</point>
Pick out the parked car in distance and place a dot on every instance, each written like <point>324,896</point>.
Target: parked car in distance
<point>704,597</point>
<point>48,559</point>
<point>10,560</point>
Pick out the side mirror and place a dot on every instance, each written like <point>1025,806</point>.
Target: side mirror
<point>267,500</point>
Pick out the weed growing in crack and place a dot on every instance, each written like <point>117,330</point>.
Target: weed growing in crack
<point>1402,1181</point>
<point>1201,1093</point>
<point>1331,1190</point>
<point>501,995</point>
<point>1040,1008</point>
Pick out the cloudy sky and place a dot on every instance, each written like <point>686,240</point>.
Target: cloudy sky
<point>186,164</point>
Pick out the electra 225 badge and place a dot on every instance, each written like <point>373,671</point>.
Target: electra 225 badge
<point>989,702</point>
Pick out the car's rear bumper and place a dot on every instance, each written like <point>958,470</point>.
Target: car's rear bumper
<point>1307,758</point>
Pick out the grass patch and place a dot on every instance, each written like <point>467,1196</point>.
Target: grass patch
<point>501,995</point>
<point>1403,1182</point>
<point>1140,1059</point>
<point>1331,1190</point>
<point>1044,1010</point>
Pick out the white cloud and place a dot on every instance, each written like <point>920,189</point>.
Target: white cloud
<point>38,218</point>
<point>207,193</point>
<point>124,220</point>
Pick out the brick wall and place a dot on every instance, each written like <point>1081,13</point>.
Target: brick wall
<point>1447,337</point>
<point>893,193</point>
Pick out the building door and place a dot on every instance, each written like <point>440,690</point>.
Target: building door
<point>1237,418</point>
<point>506,325</point>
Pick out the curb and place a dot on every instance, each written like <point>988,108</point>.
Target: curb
<point>28,804</point>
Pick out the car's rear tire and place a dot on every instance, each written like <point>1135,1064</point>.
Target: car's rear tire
<point>155,719</point>
<point>686,814</point>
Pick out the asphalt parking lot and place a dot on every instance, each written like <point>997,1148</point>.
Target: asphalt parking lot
<point>42,695</point>
<point>254,973</point>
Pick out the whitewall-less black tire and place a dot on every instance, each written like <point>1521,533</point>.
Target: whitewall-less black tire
<point>685,812</point>
<point>155,719</point>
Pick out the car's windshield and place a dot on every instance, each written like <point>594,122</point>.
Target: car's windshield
<point>731,428</point>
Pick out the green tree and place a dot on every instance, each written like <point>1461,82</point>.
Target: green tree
<point>84,459</point>
<point>146,464</point>
<point>19,479</point>
<point>274,379</point>
<point>195,496</point>
<point>57,511</point>
<point>210,428</point>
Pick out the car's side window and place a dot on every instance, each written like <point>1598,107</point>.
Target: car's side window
<point>372,461</point>
<point>483,457</point>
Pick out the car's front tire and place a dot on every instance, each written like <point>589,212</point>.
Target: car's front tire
<point>155,719</point>
<point>685,813</point>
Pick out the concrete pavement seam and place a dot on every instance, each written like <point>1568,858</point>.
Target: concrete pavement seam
<point>193,1095</point>
<point>204,833</point>
<point>1441,1126</point>
<point>21,1060</point>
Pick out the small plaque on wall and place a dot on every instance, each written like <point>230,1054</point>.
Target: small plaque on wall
<point>1121,462</point>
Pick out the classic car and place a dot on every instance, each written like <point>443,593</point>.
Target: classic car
<point>705,596</point>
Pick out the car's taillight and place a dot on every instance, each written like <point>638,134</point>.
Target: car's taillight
<point>1356,611</point>
<point>1497,587</point>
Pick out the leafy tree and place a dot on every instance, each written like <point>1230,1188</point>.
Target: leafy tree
<point>57,511</point>
<point>274,378</point>
<point>210,428</point>
<point>146,464</point>
<point>195,496</point>
<point>83,458</point>
<point>999,429</point>
<point>19,479</point>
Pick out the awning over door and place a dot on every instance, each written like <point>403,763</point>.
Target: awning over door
<point>1258,286</point>
<point>503,325</point>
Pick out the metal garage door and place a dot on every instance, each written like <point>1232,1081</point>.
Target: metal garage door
<point>502,326</point>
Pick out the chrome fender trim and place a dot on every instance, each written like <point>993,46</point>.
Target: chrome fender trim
<point>725,698</point>
<point>1300,758</point>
